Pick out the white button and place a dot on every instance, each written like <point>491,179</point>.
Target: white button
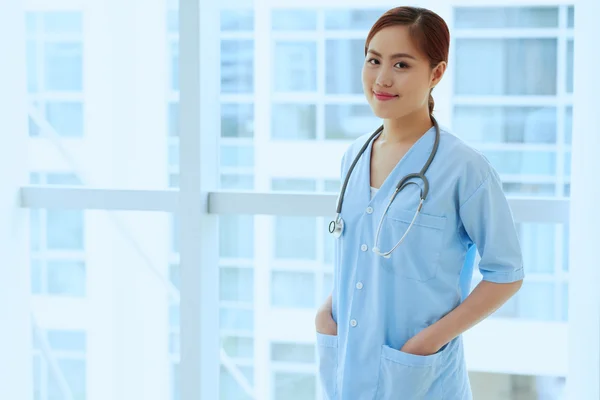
<point>359,285</point>
<point>369,210</point>
<point>353,322</point>
<point>364,247</point>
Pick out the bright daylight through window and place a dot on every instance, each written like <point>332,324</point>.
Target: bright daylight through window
<point>135,111</point>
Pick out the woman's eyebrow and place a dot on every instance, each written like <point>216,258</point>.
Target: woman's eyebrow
<point>397,55</point>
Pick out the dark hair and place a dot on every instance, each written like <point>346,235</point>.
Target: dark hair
<point>428,30</point>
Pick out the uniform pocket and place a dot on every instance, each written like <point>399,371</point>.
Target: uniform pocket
<point>406,376</point>
<point>418,256</point>
<point>328,361</point>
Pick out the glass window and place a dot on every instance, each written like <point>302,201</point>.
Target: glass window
<point>565,260</point>
<point>293,353</point>
<point>173,21</point>
<point>66,117</point>
<point>173,181</point>
<point>294,121</point>
<point>295,237</point>
<point>37,377</point>
<point>568,124</point>
<point>236,319</point>
<point>293,289</point>
<point>536,301</point>
<point>230,389</point>
<point>175,275</point>
<point>237,181</point>
<point>173,118</point>
<point>344,59</point>
<point>565,302</point>
<point>238,347</point>
<point>63,66</point>
<point>237,156</point>
<point>349,121</point>
<point>359,19</point>
<point>295,67</point>
<point>37,278</point>
<point>33,128</point>
<point>35,229</point>
<point>174,315</point>
<point>570,54</point>
<point>294,20</point>
<point>64,230</point>
<point>522,162</point>
<point>237,66</point>
<point>538,244</point>
<point>294,385</point>
<point>74,372</point>
<point>332,186</point>
<point>505,17</point>
<point>32,22</point>
<point>175,382</point>
<point>293,185</point>
<point>174,233</point>
<point>236,236</point>
<point>66,179</point>
<point>571,17</point>
<point>237,284</point>
<point>63,22</point>
<point>32,67</point>
<point>517,67</point>
<point>529,189</point>
<point>327,285</point>
<point>173,154</point>
<point>175,66</point>
<point>329,244</point>
<point>237,20</point>
<point>237,120</point>
<point>67,340</point>
<point>493,124</point>
<point>66,277</point>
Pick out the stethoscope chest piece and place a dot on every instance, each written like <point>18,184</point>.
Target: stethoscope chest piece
<point>336,227</point>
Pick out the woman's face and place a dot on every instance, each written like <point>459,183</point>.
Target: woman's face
<point>397,76</point>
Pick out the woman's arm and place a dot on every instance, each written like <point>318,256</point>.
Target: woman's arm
<point>486,298</point>
<point>487,220</point>
<point>324,322</point>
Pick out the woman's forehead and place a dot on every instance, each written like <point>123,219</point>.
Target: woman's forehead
<point>393,40</point>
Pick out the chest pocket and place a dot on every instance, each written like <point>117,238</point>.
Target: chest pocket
<point>418,256</point>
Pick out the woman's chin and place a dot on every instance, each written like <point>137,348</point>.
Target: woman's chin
<point>385,113</point>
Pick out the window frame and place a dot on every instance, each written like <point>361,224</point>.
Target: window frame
<point>199,199</point>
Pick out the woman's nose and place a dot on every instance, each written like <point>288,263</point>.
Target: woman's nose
<point>384,79</point>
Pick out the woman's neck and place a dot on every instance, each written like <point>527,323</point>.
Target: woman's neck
<point>406,130</point>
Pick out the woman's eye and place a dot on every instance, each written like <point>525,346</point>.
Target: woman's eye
<point>373,61</point>
<point>402,65</point>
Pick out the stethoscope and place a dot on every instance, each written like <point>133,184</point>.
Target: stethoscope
<point>336,227</point>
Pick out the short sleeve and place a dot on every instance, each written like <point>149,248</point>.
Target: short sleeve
<point>488,221</point>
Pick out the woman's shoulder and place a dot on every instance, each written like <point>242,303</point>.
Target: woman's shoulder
<point>462,155</point>
<point>465,165</point>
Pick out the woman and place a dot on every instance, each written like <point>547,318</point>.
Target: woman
<point>392,327</point>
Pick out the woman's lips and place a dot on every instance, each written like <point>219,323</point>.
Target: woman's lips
<point>384,96</point>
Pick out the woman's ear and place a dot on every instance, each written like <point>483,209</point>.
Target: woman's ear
<point>437,73</point>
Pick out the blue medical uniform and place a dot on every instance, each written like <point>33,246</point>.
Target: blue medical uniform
<point>380,303</point>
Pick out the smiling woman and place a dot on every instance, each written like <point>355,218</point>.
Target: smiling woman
<point>393,324</point>
<point>281,98</point>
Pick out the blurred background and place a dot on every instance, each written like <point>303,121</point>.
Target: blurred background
<point>103,95</point>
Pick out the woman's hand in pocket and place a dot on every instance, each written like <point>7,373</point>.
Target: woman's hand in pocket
<point>419,345</point>
<point>324,322</point>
